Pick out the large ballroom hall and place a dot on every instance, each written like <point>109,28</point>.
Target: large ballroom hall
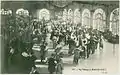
<point>59,37</point>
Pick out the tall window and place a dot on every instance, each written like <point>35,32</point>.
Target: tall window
<point>22,11</point>
<point>99,19</point>
<point>65,15</point>
<point>86,18</point>
<point>70,15</point>
<point>114,21</point>
<point>44,14</point>
<point>77,16</point>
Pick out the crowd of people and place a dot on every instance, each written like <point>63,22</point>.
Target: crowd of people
<point>82,42</point>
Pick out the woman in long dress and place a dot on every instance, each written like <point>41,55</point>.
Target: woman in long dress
<point>59,66</point>
<point>51,64</point>
<point>76,55</point>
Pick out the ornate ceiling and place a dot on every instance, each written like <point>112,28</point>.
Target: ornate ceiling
<point>61,3</point>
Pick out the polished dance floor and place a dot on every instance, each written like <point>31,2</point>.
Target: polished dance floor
<point>103,61</point>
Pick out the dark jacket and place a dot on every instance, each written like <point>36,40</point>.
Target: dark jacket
<point>51,64</point>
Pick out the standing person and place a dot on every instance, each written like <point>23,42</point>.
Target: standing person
<point>84,44</point>
<point>91,44</point>
<point>76,55</point>
<point>88,45</point>
<point>96,41</point>
<point>44,33</point>
<point>72,45</point>
<point>34,71</point>
<point>40,36</point>
<point>61,36</point>
<point>94,46</point>
<point>52,34</point>
<point>51,64</point>
<point>113,44</point>
<point>59,66</point>
<point>82,52</point>
<point>88,49</point>
<point>58,48</point>
<point>43,51</point>
<point>100,42</point>
<point>80,40</point>
<point>54,42</point>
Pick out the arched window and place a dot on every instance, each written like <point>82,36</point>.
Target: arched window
<point>22,17</point>
<point>99,19</point>
<point>44,14</point>
<point>22,11</point>
<point>65,15</point>
<point>5,12</point>
<point>70,15</point>
<point>76,16</point>
<point>114,21</point>
<point>86,18</point>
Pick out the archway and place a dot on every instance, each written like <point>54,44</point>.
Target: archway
<point>86,18</point>
<point>22,11</point>
<point>77,16</point>
<point>114,21</point>
<point>65,15</point>
<point>99,19</point>
<point>70,15</point>
<point>44,14</point>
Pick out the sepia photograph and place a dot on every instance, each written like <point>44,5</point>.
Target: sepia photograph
<point>59,37</point>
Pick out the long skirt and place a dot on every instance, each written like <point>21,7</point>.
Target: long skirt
<point>71,48</point>
<point>54,44</point>
<point>51,69</point>
<point>75,60</point>
<point>101,44</point>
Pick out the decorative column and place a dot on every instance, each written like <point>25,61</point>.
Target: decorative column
<point>107,18</point>
<point>5,15</point>
<point>91,19</point>
<point>80,16</point>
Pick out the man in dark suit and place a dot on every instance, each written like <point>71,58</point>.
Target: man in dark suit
<point>72,45</point>
<point>51,64</point>
<point>43,51</point>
